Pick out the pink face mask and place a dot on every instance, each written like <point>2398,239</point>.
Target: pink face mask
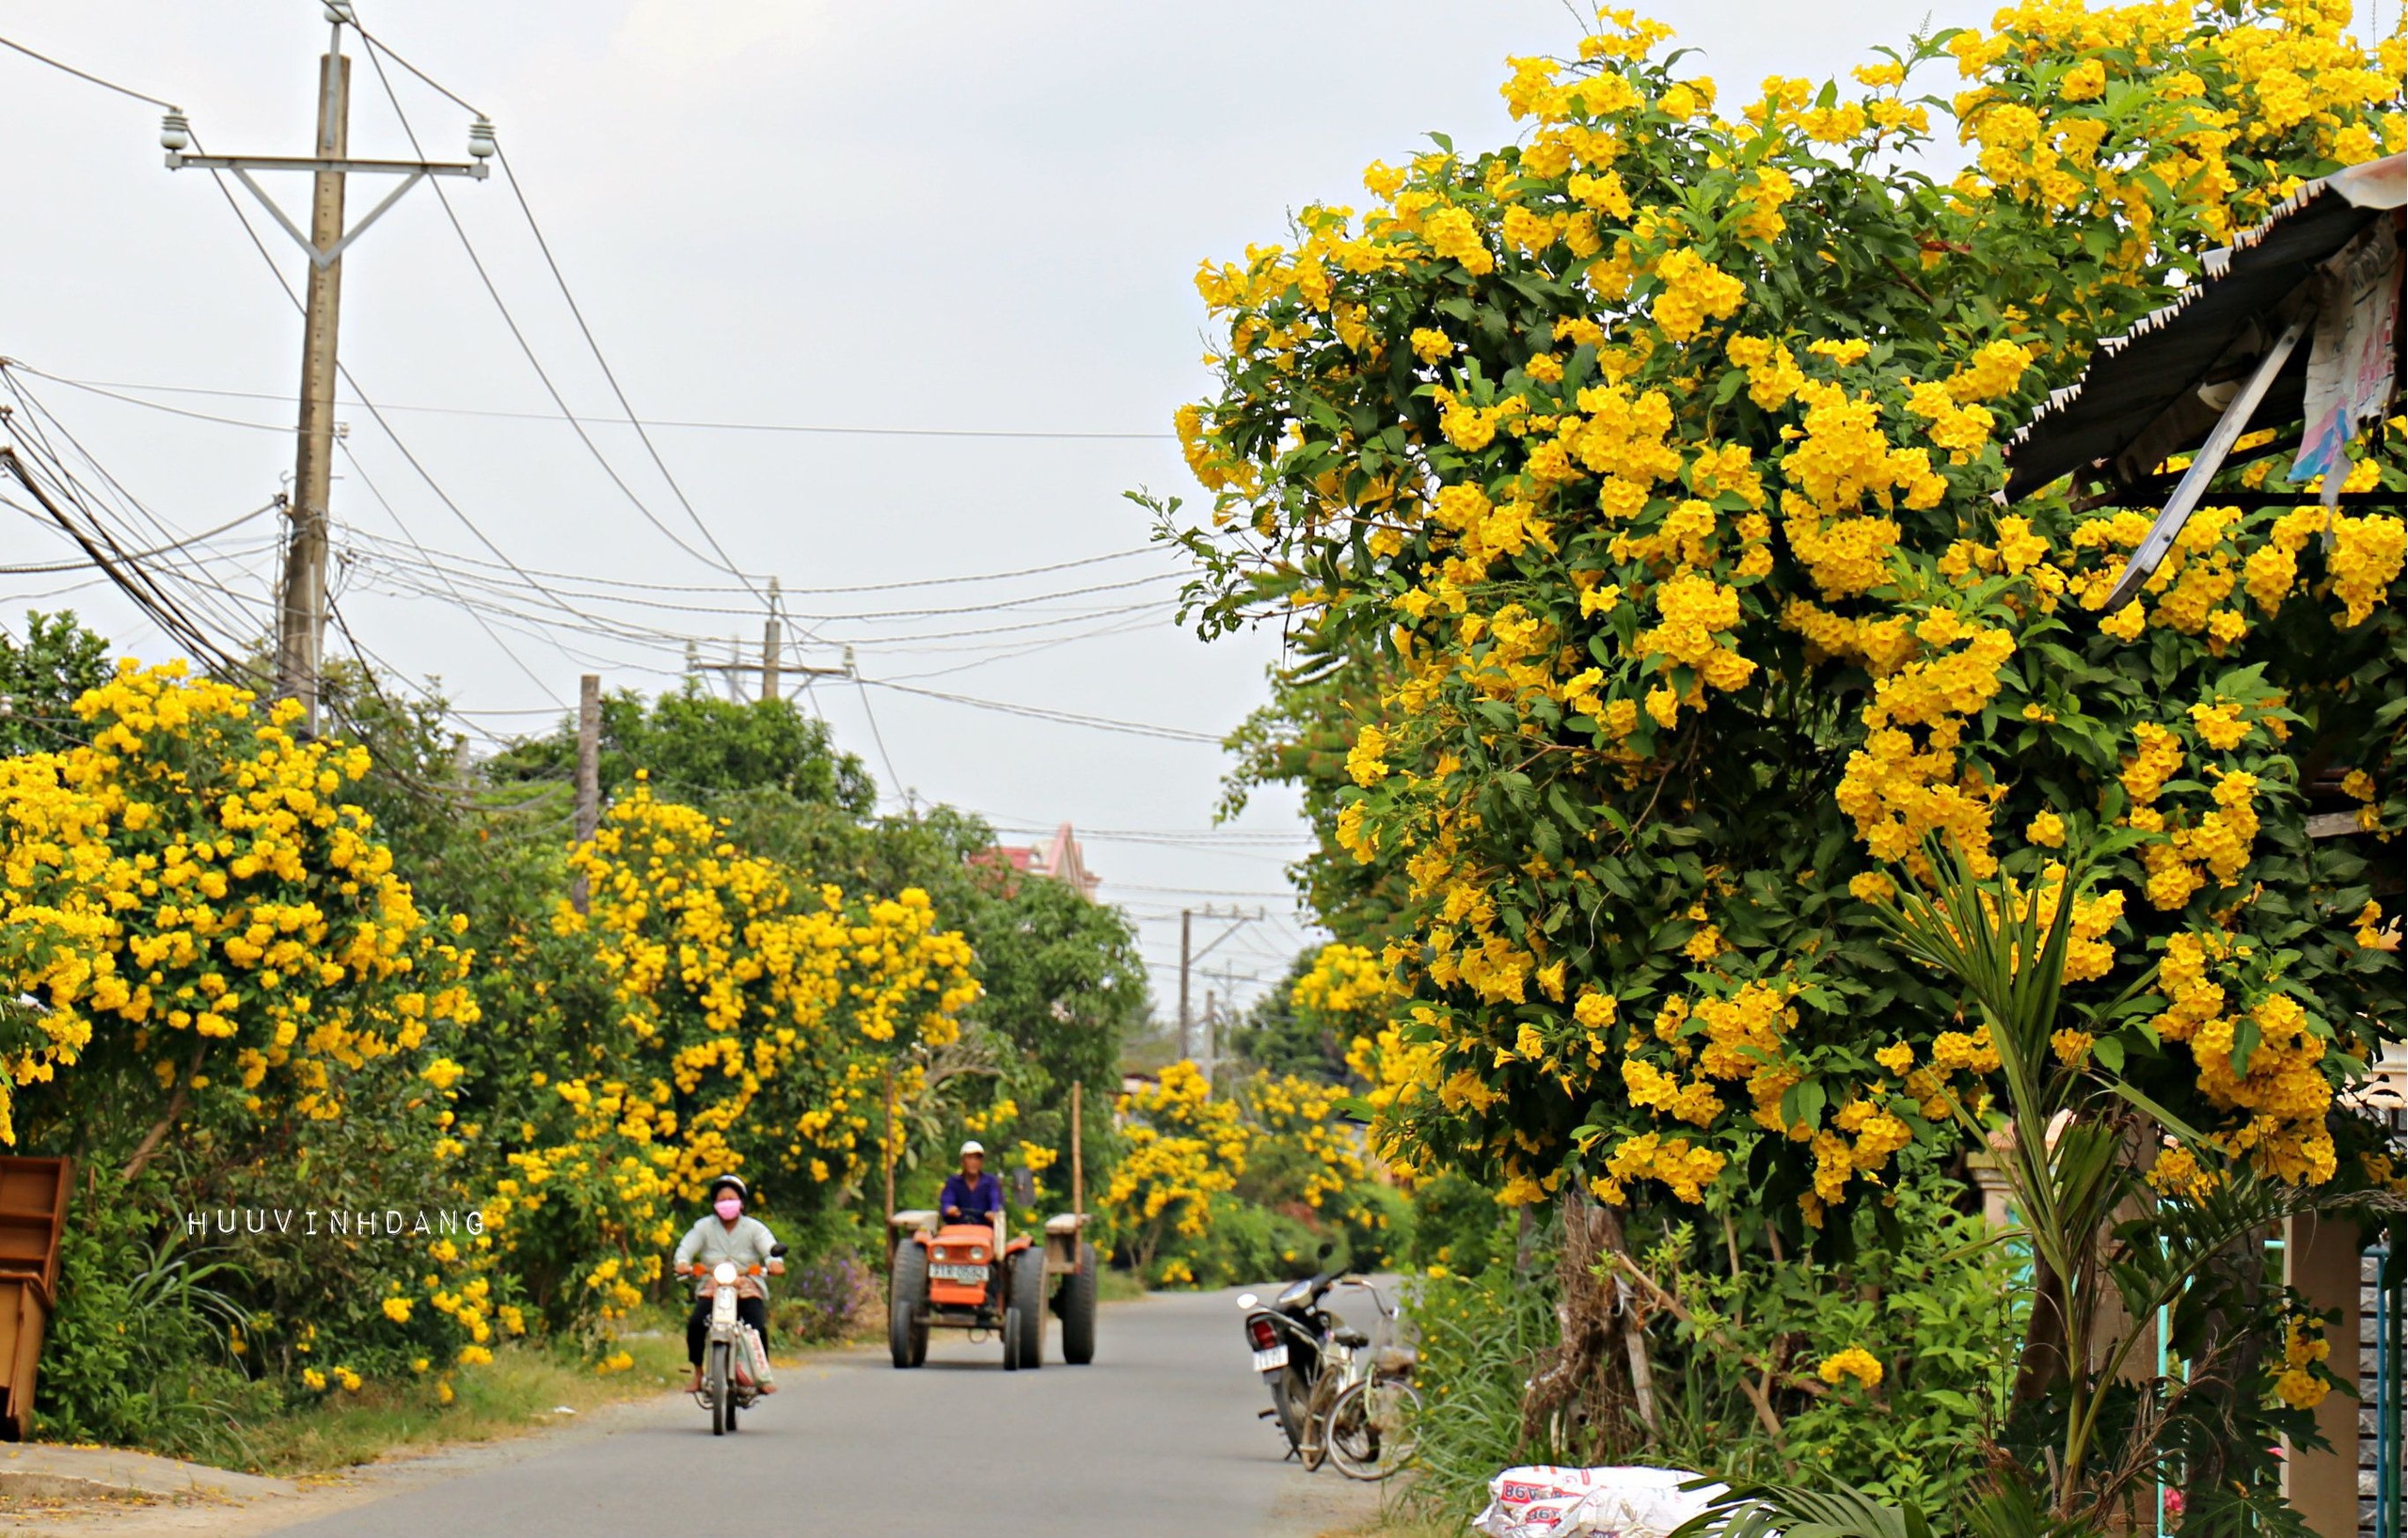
<point>727,1207</point>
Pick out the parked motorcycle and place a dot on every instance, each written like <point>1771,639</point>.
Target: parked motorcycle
<point>1337,1396</point>
<point>735,1361</point>
<point>1290,1338</point>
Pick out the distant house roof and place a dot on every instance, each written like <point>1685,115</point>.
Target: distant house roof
<point>1059,859</point>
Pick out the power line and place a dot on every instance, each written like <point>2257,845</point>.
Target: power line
<point>227,526</point>
<point>1192,891</point>
<point>878,736</point>
<point>81,74</point>
<point>816,592</point>
<point>403,448</point>
<point>674,424</point>
<point>1015,653</point>
<point>377,43</point>
<point>1069,717</point>
<point>673,605</point>
<point>32,424</point>
<point>520,336</point>
<point>516,661</point>
<point>106,392</point>
<point>519,194</point>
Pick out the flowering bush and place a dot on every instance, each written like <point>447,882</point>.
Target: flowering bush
<point>737,1020</point>
<point>1244,1186</point>
<point>196,905</point>
<point>1631,492</point>
<point>1183,1147</point>
<point>214,944</point>
<point>1647,463</point>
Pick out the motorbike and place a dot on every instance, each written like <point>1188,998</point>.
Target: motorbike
<point>1336,1397</point>
<point>735,1361</point>
<point>1290,1336</point>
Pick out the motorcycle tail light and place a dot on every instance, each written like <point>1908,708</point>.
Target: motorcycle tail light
<point>1263,1334</point>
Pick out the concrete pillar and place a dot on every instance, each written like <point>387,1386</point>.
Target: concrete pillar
<point>2320,1259</point>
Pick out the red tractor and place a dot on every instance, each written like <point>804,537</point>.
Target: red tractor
<point>968,1277</point>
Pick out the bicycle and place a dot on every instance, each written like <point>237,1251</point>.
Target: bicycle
<point>1364,1407</point>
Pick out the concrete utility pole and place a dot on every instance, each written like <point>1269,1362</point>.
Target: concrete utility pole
<point>772,642</point>
<point>301,621</point>
<point>301,606</point>
<point>589,771</point>
<point>773,666</point>
<point>1187,943</point>
<point>1211,1034</point>
<point>1189,955</point>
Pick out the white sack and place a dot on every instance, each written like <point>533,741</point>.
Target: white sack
<point>1545,1501</point>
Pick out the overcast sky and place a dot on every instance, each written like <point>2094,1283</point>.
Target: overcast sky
<point>942,218</point>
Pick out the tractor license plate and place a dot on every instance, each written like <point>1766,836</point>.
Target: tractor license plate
<point>1271,1361</point>
<point>969,1275</point>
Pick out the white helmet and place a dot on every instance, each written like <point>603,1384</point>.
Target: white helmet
<point>974,1147</point>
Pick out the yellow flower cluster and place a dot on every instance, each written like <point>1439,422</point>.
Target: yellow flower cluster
<point>1182,1147</point>
<point>2276,1087</point>
<point>1854,1362</point>
<point>752,1018</point>
<point>2304,1348</point>
<point>192,892</point>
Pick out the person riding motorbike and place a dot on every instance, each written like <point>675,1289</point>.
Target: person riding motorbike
<point>725,1235</point>
<point>973,1196</point>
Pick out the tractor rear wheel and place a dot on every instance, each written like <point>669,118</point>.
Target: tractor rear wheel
<point>907,1305</point>
<point>1028,1306</point>
<point>1077,1306</point>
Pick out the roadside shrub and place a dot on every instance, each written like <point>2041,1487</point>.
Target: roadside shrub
<point>1458,1225</point>
<point>1480,1336</point>
<point>822,1300</point>
<point>1243,1243</point>
<point>1374,1226</point>
<point>1924,1307</point>
<point>141,1348</point>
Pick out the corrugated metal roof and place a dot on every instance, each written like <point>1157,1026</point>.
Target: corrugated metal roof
<point>2140,398</point>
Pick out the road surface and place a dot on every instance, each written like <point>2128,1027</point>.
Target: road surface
<point>1158,1438</point>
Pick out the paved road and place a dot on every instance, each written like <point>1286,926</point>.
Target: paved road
<point>1159,1438</point>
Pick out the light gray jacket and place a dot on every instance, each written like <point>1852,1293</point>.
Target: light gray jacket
<point>709,1242</point>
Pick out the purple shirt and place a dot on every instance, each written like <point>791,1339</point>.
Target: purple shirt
<point>977,1199</point>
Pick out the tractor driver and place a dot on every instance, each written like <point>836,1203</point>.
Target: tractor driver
<point>973,1196</point>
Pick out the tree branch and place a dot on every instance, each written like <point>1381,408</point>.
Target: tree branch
<point>159,1129</point>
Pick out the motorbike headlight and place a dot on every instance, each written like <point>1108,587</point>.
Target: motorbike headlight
<point>724,1273</point>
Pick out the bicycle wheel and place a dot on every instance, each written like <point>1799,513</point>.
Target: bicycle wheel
<point>1315,1449</point>
<point>1373,1429</point>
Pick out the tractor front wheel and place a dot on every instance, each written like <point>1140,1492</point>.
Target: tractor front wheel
<point>1077,1307</point>
<point>907,1305</point>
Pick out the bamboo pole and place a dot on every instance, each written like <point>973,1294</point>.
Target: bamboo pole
<point>886,1143</point>
<point>1078,1163</point>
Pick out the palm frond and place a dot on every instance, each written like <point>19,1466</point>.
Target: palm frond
<point>1789,1510</point>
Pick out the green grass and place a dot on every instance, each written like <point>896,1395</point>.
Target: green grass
<point>517,1394</point>
<point>1118,1286</point>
